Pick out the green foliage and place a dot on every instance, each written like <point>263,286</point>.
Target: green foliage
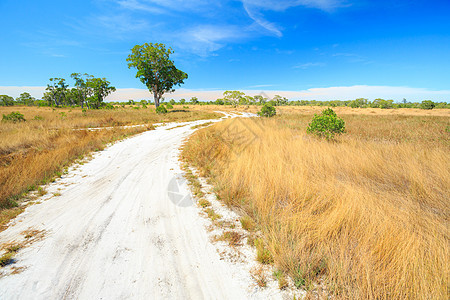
<point>14,117</point>
<point>161,109</point>
<point>326,125</point>
<point>169,106</point>
<point>427,104</point>
<point>100,88</point>
<point>233,97</point>
<point>6,100</point>
<point>155,69</point>
<point>194,100</point>
<point>182,101</point>
<point>279,101</point>
<point>26,99</point>
<point>172,101</point>
<point>38,118</point>
<point>267,111</point>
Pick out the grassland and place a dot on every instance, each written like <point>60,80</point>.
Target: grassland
<point>363,217</point>
<point>34,151</point>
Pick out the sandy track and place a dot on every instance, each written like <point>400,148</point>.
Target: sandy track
<point>113,233</point>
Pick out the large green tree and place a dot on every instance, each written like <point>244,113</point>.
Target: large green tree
<point>155,69</point>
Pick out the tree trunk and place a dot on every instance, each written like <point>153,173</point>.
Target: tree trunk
<point>156,99</point>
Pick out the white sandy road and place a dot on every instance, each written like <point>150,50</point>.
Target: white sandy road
<point>113,233</point>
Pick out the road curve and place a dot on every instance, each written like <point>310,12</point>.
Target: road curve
<point>114,233</point>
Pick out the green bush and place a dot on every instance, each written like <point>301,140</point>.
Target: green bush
<point>326,125</point>
<point>169,106</point>
<point>427,104</point>
<point>267,111</point>
<point>14,117</point>
<point>161,109</point>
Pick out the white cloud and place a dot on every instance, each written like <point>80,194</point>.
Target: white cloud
<point>330,93</point>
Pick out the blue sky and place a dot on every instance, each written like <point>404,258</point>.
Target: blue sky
<point>304,49</point>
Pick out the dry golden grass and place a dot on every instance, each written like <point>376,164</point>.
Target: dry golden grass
<point>366,216</point>
<point>32,152</point>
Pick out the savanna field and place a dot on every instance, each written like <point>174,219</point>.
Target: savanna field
<point>364,216</point>
<point>34,151</point>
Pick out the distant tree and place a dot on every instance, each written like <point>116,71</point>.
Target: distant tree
<point>26,99</point>
<point>427,104</point>
<point>57,89</point>
<point>219,102</point>
<point>360,102</point>
<point>260,100</point>
<point>381,103</point>
<point>172,101</point>
<point>84,91</point>
<point>194,100</point>
<point>233,97</point>
<point>6,100</point>
<point>182,101</point>
<point>155,69</point>
<point>279,101</point>
<point>100,88</point>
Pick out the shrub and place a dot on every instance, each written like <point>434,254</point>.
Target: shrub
<point>427,104</point>
<point>326,125</point>
<point>161,109</point>
<point>267,111</point>
<point>169,106</point>
<point>14,117</point>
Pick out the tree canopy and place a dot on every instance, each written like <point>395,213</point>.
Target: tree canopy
<point>155,69</point>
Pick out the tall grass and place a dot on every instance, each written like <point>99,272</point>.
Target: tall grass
<point>366,216</point>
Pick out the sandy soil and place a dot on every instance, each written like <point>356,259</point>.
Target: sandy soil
<point>111,231</point>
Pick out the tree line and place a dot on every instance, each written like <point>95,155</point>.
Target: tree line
<point>88,91</point>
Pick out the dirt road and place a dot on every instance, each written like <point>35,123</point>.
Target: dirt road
<point>112,232</point>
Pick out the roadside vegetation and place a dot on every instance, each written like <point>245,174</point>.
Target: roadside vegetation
<point>362,216</point>
<point>37,143</point>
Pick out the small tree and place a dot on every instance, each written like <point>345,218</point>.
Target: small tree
<point>267,111</point>
<point>26,99</point>
<point>14,117</point>
<point>194,100</point>
<point>155,69</point>
<point>6,100</point>
<point>57,89</point>
<point>427,104</point>
<point>81,83</point>
<point>233,97</point>
<point>100,88</point>
<point>326,125</point>
<point>161,109</point>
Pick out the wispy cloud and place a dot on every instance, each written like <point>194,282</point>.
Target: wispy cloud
<point>255,9</point>
<point>204,39</point>
<point>353,57</point>
<point>309,65</point>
